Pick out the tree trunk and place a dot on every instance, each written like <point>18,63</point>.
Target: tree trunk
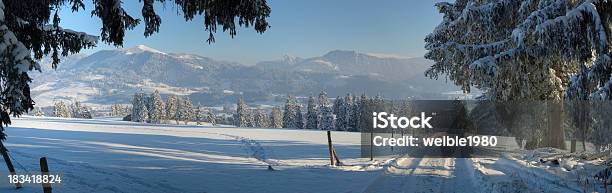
<point>556,133</point>
<point>573,146</point>
<point>9,164</point>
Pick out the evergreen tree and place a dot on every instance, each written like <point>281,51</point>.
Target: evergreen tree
<point>326,121</point>
<point>364,114</point>
<point>75,109</point>
<point>312,118</point>
<point>172,107</point>
<point>299,117</point>
<point>290,116</point>
<point>139,108</point>
<point>156,107</point>
<point>351,112</point>
<point>520,49</point>
<point>212,118</point>
<point>143,113</point>
<point>249,116</point>
<point>185,110</point>
<point>61,110</point>
<point>135,108</point>
<point>355,114</point>
<point>146,100</point>
<point>337,105</point>
<point>341,122</point>
<point>199,114</point>
<point>179,110</point>
<point>241,117</point>
<point>261,119</point>
<point>276,118</point>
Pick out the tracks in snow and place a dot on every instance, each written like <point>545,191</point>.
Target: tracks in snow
<point>425,175</point>
<point>253,148</point>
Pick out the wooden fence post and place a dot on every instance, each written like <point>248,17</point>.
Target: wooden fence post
<point>9,164</point>
<point>338,162</point>
<point>331,151</point>
<point>44,169</point>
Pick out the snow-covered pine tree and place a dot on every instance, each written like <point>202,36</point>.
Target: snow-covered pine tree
<point>276,118</point>
<point>348,110</point>
<point>312,116</point>
<point>524,49</point>
<point>242,116</point>
<point>146,100</point>
<point>344,114</point>
<point>136,108</point>
<point>351,119</point>
<point>365,114</point>
<point>114,110</point>
<point>261,119</point>
<point>529,49</point>
<point>56,109</point>
<point>75,109</point>
<point>341,122</point>
<point>337,105</point>
<point>299,117</point>
<point>139,108</point>
<point>156,107</point>
<point>199,114</point>
<point>355,114</point>
<point>211,117</point>
<point>249,117</point>
<point>172,107</point>
<point>326,121</point>
<point>178,115</point>
<point>60,109</point>
<point>185,111</point>
<point>290,117</point>
<point>143,113</point>
<point>67,113</point>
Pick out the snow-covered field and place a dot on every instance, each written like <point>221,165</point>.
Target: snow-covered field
<point>103,155</point>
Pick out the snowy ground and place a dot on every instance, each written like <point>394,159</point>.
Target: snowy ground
<point>113,156</point>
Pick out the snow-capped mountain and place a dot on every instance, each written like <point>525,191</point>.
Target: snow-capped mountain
<point>345,62</point>
<point>141,63</point>
<point>112,76</point>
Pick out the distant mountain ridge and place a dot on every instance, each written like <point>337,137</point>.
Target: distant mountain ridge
<point>348,62</point>
<point>112,76</point>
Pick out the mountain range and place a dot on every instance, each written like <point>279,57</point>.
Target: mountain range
<point>113,76</point>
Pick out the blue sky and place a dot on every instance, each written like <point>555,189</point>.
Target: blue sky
<point>302,28</point>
